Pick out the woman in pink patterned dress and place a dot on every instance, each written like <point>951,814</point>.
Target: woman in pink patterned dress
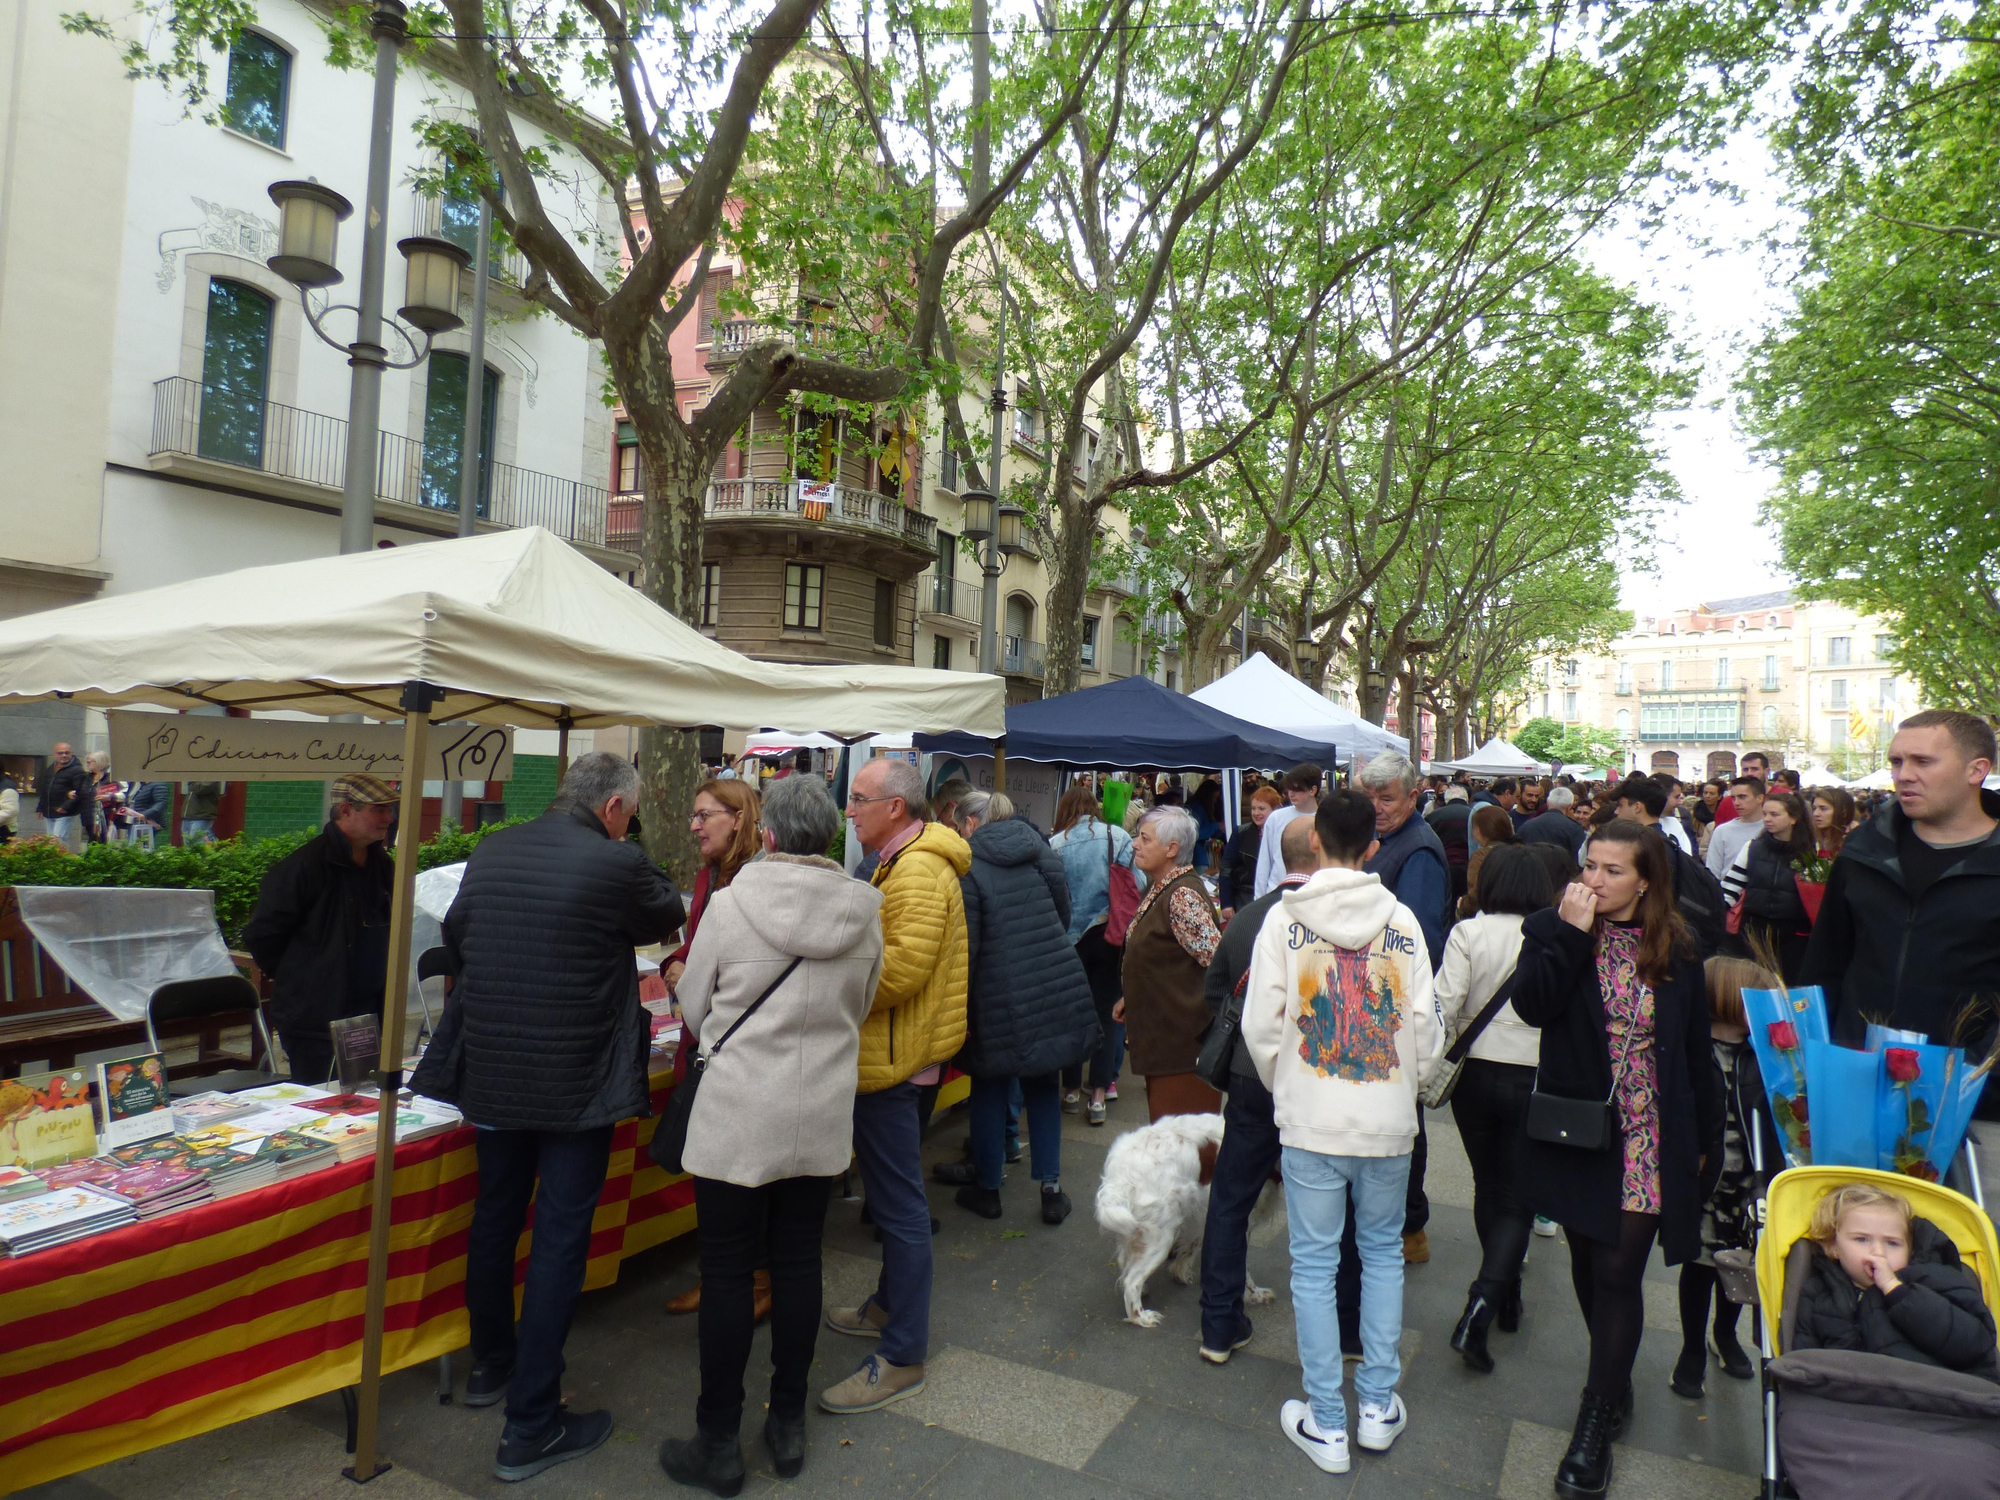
<point>1611,979</point>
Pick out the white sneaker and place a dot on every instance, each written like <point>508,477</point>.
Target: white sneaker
<point>1381,1425</point>
<point>1546,1228</point>
<point>1328,1450</point>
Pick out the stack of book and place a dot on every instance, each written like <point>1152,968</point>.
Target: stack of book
<point>290,1154</point>
<point>351,1136</point>
<point>198,1111</point>
<point>283,1093</point>
<point>59,1216</point>
<point>152,1188</point>
<point>19,1182</point>
<point>226,1172</point>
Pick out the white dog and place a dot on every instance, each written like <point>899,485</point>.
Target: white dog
<point>1153,1199</point>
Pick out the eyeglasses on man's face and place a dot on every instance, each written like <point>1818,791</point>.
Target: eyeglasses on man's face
<point>855,799</point>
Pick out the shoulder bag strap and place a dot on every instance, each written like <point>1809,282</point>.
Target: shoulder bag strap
<point>1467,1037</point>
<point>1618,1068</point>
<point>751,1009</point>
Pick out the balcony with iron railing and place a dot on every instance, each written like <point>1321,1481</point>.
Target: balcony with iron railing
<point>728,340</point>
<point>1022,658</point>
<point>949,599</point>
<point>309,449</point>
<point>807,503</point>
<point>457,223</point>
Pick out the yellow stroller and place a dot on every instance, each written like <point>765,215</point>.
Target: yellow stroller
<point>1841,1423</point>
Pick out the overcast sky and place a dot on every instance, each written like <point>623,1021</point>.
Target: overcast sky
<point>1710,269</point>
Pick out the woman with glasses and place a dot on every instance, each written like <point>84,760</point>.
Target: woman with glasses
<point>725,824</point>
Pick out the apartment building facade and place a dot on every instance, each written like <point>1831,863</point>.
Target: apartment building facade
<point>166,410</point>
<point>1807,682</point>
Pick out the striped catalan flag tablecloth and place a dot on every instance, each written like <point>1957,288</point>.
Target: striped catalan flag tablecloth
<point>158,1331</point>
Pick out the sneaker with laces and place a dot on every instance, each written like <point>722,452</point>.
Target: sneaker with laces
<point>571,1435</point>
<point>1111,1091</point>
<point>1326,1449</point>
<point>1546,1228</point>
<point>872,1387</point>
<point>864,1322</point>
<point>1094,1112</point>
<point>1218,1354</point>
<point>1381,1425</point>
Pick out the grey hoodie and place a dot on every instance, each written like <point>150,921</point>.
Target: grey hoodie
<point>1340,1018</point>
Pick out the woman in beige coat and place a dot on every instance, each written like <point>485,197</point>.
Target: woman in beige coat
<point>772,1125</point>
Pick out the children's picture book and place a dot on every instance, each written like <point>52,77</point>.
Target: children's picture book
<point>357,1050</point>
<point>198,1110</point>
<point>281,1093</point>
<point>56,1217</point>
<point>132,1096</point>
<point>18,1182</point>
<point>46,1118</point>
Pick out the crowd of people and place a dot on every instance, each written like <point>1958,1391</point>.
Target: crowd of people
<point>80,802</point>
<point>1562,966</point>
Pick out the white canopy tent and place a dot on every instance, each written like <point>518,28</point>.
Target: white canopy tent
<point>767,742</point>
<point>1882,780</point>
<point>1494,758</point>
<point>514,627</point>
<point>1263,693</point>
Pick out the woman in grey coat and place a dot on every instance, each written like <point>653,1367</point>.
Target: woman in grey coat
<point>1028,1011</point>
<point>773,1123</point>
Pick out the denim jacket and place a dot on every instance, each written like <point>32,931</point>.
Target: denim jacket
<point>1088,865</point>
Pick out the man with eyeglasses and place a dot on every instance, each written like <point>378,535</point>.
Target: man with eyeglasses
<point>916,1023</point>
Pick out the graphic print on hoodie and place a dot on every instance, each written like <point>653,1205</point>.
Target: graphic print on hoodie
<point>1339,1016</point>
<point>1348,1016</point>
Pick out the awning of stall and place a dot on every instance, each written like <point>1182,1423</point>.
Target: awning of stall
<point>1262,692</point>
<point>1494,758</point>
<point>1136,722</point>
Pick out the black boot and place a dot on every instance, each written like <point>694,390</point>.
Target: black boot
<point>1688,1372</point>
<point>706,1461</point>
<point>1469,1338</point>
<point>786,1438</point>
<point>1509,1311</point>
<point>983,1201</point>
<point>1621,1413</point>
<point>1585,1470</point>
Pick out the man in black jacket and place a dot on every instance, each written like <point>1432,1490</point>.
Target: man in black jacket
<point>1555,825</point>
<point>65,802</point>
<point>321,927</point>
<point>1909,930</point>
<point>549,1055</point>
<point>1249,1152</point>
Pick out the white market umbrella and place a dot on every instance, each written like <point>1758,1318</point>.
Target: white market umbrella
<point>514,627</point>
<point>1263,693</point>
<point>1875,781</point>
<point>1494,758</point>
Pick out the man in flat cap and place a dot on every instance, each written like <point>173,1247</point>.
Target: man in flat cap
<point>321,928</point>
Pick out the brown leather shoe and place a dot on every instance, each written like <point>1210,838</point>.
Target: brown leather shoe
<point>688,1301</point>
<point>760,1296</point>
<point>1416,1249</point>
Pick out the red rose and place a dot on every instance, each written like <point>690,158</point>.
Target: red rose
<point>1905,1066</point>
<point>1784,1035</point>
<point>1799,1108</point>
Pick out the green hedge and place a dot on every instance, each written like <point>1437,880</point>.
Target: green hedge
<point>232,868</point>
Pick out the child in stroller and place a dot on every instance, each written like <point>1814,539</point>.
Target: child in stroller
<point>1891,1283</point>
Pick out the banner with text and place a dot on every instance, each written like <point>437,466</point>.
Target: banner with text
<point>202,747</point>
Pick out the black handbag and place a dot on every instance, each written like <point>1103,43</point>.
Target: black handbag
<point>670,1136</point>
<point>1218,1043</point>
<point>1585,1124</point>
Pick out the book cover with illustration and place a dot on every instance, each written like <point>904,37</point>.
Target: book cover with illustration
<point>46,1119</point>
<point>357,1050</point>
<point>132,1095</point>
<point>17,1182</point>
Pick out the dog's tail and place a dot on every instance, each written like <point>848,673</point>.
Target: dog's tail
<point>1114,1213</point>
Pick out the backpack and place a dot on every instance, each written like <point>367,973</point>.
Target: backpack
<point>1699,896</point>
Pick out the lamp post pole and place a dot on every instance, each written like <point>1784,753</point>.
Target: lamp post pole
<point>368,357</point>
<point>469,468</point>
<point>991,567</point>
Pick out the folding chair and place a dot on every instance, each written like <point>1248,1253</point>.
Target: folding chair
<point>204,999</point>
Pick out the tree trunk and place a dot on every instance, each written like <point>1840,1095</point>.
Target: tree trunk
<point>670,546</point>
<point>1068,569</point>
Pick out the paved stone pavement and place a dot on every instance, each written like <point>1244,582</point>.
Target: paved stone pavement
<point>1038,1390</point>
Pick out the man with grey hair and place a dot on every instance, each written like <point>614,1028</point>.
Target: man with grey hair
<point>547,1054</point>
<point>1555,825</point>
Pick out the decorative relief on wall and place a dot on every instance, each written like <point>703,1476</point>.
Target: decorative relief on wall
<point>229,231</point>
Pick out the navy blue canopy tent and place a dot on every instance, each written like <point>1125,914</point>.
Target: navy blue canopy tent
<point>1134,722</point>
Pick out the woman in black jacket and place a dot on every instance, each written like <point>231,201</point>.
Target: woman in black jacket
<point>1775,922</point>
<point>1611,979</point>
<point>1028,1010</point>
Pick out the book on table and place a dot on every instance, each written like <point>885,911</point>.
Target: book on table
<point>357,1050</point>
<point>46,1119</point>
<point>282,1093</point>
<point>152,1188</point>
<point>59,1216</point>
<point>199,1110</point>
<point>132,1097</point>
<point>19,1182</point>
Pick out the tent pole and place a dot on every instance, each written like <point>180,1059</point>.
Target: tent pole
<point>562,748</point>
<point>417,700</point>
<point>1000,765</point>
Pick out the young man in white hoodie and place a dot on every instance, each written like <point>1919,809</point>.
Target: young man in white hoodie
<point>1340,1020</point>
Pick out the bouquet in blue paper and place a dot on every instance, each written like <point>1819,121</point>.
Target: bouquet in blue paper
<point>1784,1024</point>
<point>1923,1102</point>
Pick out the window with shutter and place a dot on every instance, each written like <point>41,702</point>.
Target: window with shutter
<point>711,297</point>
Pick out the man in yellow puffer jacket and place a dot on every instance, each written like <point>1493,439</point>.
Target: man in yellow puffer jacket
<point>918,1021</point>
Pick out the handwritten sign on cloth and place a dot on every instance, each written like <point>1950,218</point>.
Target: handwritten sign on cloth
<point>201,747</point>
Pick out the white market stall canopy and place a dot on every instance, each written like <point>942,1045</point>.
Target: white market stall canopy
<point>1494,758</point>
<point>1263,693</point>
<point>1883,780</point>
<point>516,626</point>
<point>767,742</point>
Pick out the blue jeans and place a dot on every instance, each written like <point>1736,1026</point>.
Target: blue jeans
<point>197,831</point>
<point>991,1110</point>
<point>1242,1166</point>
<point>570,1165</point>
<point>888,1147</point>
<point>68,832</point>
<point>1317,1188</point>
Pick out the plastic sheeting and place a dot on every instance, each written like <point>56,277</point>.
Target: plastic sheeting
<point>121,943</point>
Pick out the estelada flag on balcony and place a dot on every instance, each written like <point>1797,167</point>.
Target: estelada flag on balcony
<point>815,498</point>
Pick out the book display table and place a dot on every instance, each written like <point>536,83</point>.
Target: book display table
<point>163,1329</point>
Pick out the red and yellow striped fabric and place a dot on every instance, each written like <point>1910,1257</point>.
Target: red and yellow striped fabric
<point>159,1331</point>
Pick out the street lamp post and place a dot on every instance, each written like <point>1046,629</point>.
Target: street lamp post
<point>309,216</point>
